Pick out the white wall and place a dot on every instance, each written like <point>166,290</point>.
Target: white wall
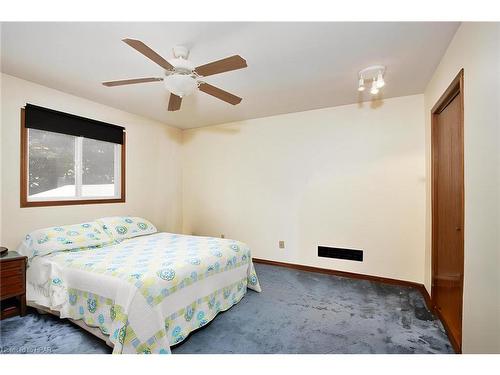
<point>476,48</point>
<point>349,176</point>
<point>153,165</point>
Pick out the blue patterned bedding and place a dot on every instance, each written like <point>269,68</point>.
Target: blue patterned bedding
<point>148,292</point>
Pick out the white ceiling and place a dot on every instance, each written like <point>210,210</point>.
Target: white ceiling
<point>292,67</point>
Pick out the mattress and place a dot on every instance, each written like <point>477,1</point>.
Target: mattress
<point>145,293</point>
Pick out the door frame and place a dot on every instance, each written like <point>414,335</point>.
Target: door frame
<point>455,88</point>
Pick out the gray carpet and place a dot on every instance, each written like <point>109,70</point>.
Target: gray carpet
<point>297,312</point>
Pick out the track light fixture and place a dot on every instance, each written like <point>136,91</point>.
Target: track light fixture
<point>375,74</point>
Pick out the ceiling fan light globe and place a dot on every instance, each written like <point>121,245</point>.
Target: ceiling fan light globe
<point>180,84</point>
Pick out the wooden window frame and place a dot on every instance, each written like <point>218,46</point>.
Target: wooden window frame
<point>24,202</point>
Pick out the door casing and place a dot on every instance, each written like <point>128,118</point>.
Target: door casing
<point>454,89</point>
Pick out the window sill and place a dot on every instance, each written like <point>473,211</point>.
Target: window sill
<point>70,202</point>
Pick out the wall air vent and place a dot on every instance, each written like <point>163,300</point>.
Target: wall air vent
<point>339,253</point>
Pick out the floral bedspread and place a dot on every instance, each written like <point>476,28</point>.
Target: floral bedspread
<point>147,293</point>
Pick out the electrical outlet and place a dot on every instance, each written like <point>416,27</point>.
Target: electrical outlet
<point>281,244</point>
<point>222,236</point>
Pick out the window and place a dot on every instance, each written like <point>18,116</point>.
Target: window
<point>59,168</point>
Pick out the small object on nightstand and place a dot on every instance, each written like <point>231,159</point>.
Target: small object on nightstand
<point>12,284</point>
<point>3,251</point>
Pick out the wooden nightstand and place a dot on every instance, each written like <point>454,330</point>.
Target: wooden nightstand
<point>12,284</point>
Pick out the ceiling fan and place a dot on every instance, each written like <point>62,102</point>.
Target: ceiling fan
<point>181,77</point>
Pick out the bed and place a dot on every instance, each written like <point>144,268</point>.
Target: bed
<point>140,290</point>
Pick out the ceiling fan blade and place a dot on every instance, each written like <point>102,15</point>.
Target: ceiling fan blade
<point>174,103</point>
<point>149,53</point>
<point>219,94</point>
<point>221,66</point>
<point>131,81</point>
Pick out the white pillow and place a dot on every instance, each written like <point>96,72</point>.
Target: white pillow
<point>68,237</point>
<point>122,227</point>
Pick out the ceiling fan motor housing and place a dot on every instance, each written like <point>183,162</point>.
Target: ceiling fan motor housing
<point>182,66</point>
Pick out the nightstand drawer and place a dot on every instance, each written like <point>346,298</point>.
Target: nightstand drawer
<point>12,285</point>
<point>9,272</point>
<point>15,265</point>
<point>12,278</point>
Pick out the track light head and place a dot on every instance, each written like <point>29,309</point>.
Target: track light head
<point>361,84</point>
<point>374,90</point>
<point>380,80</point>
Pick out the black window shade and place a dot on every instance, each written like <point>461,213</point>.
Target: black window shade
<point>59,122</point>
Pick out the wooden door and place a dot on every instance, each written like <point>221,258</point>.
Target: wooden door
<point>448,210</point>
